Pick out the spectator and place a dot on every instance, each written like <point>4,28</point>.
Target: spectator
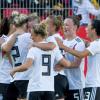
<point>83,9</point>
<point>13,5</point>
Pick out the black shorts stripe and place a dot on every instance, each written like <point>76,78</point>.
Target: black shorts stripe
<point>92,93</point>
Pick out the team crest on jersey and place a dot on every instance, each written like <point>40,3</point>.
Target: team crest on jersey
<point>78,39</point>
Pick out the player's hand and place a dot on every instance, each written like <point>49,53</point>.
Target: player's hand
<point>58,68</point>
<point>12,73</point>
<point>60,43</point>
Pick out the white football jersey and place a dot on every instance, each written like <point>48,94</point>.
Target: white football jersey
<point>19,53</point>
<point>42,77</point>
<point>52,39</point>
<point>93,73</point>
<point>4,37</point>
<point>5,67</point>
<point>58,36</point>
<point>75,75</point>
<point>84,9</point>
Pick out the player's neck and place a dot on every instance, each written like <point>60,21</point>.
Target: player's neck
<point>71,37</point>
<point>94,38</point>
<point>20,30</point>
<point>39,39</point>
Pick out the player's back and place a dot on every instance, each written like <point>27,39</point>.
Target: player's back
<point>42,78</point>
<point>19,53</point>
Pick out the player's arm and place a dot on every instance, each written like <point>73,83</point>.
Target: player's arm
<point>75,63</point>
<point>79,54</point>
<point>63,63</point>
<point>58,40</point>
<point>22,67</point>
<point>44,46</point>
<point>7,46</point>
<point>1,41</point>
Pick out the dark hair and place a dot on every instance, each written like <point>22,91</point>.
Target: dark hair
<point>4,28</point>
<point>40,29</point>
<point>57,21</point>
<point>96,25</point>
<point>76,20</point>
<point>5,25</point>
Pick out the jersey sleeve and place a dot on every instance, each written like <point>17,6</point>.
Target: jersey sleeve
<point>51,39</point>
<point>27,38</point>
<point>80,46</point>
<point>58,56</point>
<point>58,36</point>
<point>9,38</point>
<point>94,48</point>
<point>31,53</point>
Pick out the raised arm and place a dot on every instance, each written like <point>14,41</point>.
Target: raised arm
<point>7,46</point>
<point>44,46</point>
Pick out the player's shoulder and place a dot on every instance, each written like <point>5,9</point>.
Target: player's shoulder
<point>26,35</point>
<point>79,40</point>
<point>57,35</point>
<point>50,39</point>
<point>96,42</point>
<point>34,49</point>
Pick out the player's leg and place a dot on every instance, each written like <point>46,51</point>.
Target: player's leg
<point>61,86</point>
<point>48,95</point>
<point>22,88</point>
<point>12,92</point>
<point>3,91</point>
<point>34,96</point>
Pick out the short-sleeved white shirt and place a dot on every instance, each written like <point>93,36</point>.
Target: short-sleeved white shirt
<point>19,53</point>
<point>42,77</point>
<point>75,75</point>
<point>93,73</point>
<point>5,67</point>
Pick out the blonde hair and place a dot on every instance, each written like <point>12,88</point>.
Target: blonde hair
<point>33,16</point>
<point>20,20</point>
<point>40,29</point>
